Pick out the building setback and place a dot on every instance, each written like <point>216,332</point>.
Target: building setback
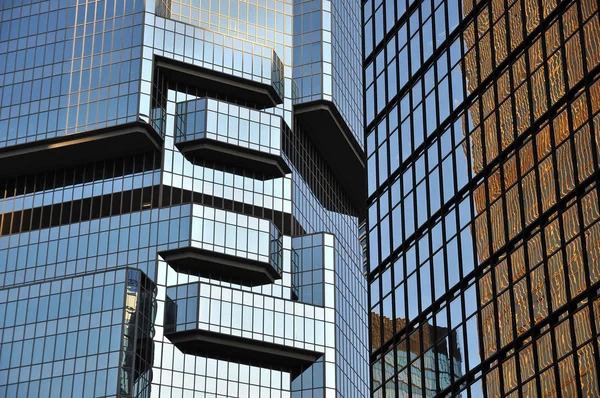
<point>182,185</point>
<point>483,166</point>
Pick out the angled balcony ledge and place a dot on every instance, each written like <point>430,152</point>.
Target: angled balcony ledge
<point>232,136</point>
<point>327,130</point>
<point>84,147</point>
<point>256,91</point>
<point>284,335</point>
<point>244,350</point>
<point>228,246</point>
<point>221,64</point>
<point>201,262</point>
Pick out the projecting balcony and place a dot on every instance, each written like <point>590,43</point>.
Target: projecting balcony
<point>241,327</point>
<point>329,132</point>
<point>228,246</point>
<point>261,87</point>
<point>87,146</point>
<point>204,60</point>
<point>235,137</point>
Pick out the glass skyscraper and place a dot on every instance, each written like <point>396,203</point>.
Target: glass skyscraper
<point>482,143</point>
<point>183,183</point>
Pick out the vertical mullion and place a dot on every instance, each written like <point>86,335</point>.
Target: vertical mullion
<point>527,238</point>
<point>596,163</point>
<point>560,220</point>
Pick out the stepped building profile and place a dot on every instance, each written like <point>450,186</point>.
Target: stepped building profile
<point>182,187</point>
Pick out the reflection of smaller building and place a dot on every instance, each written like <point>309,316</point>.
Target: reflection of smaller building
<point>436,346</point>
<point>140,311</point>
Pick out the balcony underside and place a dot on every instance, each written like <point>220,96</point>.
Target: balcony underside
<point>208,264</point>
<point>330,134</point>
<point>244,350</point>
<point>230,156</point>
<point>182,76</point>
<point>85,147</point>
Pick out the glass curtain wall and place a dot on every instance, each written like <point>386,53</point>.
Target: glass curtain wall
<point>482,143</point>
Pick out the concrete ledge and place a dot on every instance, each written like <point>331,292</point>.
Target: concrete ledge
<point>244,350</point>
<point>209,264</point>
<point>84,147</point>
<point>266,165</point>
<point>328,131</point>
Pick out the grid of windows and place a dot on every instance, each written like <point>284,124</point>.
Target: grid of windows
<point>482,145</point>
<point>327,57</point>
<point>67,67</point>
<point>217,120</point>
<point>68,336</point>
<point>75,66</point>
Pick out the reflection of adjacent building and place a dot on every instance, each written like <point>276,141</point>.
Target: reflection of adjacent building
<point>436,347</point>
<point>138,344</point>
<point>535,141</point>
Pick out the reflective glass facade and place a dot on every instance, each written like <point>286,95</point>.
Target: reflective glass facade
<point>169,227</point>
<point>483,167</point>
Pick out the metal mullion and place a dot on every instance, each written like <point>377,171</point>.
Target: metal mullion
<point>415,326</point>
<point>407,331</point>
<point>79,217</point>
<point>501,169</point>
<point>501,360</point>
<point>53,207</point>
<point>71,187</point>
<point>540,208</point>
<point>396,369</point>
<point>428,223</point>
<point>460,255</point>
<point>387,143</point>
<point>560,220</point>
<point>121,192</point>
<point>363,67</point>
<point>537,182</point>
<point>104,197</point>
<point>12,212</point>
<point>468,195</point>
<point>578,203</point>
<point>453,152</point>
<point>42,189</point>
<point>34,191</point>
<point>445,297</point>
<point>528,236</point>
<point>391,256</point>
<point>131,196</point>
<point>434,324</point>
<point>22,212</point>
<point>60,206</point>
<point>431,264</point>
<point>5,196</point>
<point>485,212</point>
<point>596,161</point>
<point>428,264</point>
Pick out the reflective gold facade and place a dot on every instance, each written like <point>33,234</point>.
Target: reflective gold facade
<point>482,138</point>
<point>532,66</point>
